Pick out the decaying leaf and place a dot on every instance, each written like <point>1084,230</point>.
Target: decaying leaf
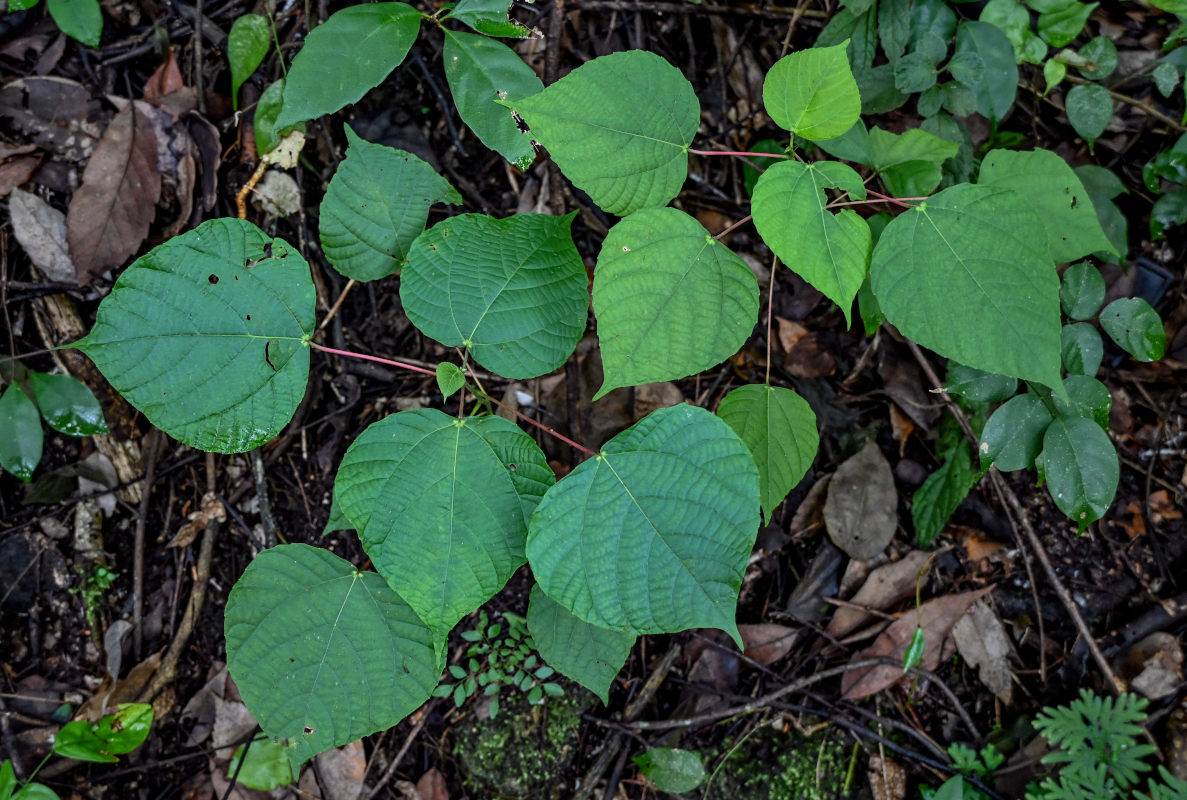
<point>57,115</point>
<point>339,774</point>
<point>432,786</point>
<point>861,512</point>
<point>935,617</point>
<point>16,165</point>
<point>888,779</point>
<point>767,643</point>
<point>1153,666</point>
<point>41,230</point>
<point>212,509</point>
<point>886,587</point>
<point>110,214</point>
<point>981,639</point>
<point>277,194</point>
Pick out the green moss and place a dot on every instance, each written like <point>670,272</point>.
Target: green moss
<point>527,750</point>
<point>771,765</point>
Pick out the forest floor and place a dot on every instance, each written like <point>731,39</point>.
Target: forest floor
<point>132,501</point>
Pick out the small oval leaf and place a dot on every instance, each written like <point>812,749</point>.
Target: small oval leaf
<point>1135,327</point>
<point>67,404</point>
<point>1013,436</point>
<point>1079,464</point>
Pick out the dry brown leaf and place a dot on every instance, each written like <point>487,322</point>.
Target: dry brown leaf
<point>789,333</point>
<point>1162,507</point>
<point>15,170</point>
<point>166,79</point>
<point>811,358</point>
<point>112,692</point>
<point>977,546</point>
<point>57,115</point>
<point>904,382</point>
<point>342,771</point>
<point>901,426</point>
<point>767,643</point>
<point>41,230</point>
<point>981,640</point>
<point>861,512</point>
<point>1153,665</point>
<point>810,512</point>
<point>431,786</point>
<point>936,618</point>
<point>886,587</point>
<point>212,509</point>
<point>888,779</point>
<point>112,211</point>
<point>652,396</point>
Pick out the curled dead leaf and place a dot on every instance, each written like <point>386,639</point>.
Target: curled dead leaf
<point>861,512</point>
<point>212,509</point>
<point>886,587</point>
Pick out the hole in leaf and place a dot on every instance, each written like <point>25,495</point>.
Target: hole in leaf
<point>308,730</point>
<point>213,279</point>
<point>249,317</point>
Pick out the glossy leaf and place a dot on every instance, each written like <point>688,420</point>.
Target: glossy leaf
<point>998,85</point>
<point>488,17</point>
<point>780,429</point>
<point>21,437</point>
<point>1135,327</point>
<point>1079,465</point>
<point>1081,349</point>
<point>81,20</point>
<point>1043,182</point>
<point>1089,109</point>
<point>67,404</point>
<point>480,72</point>
<point>324,77</point>
<point>590,655</point>
<point>322,653</point>
<point>1081,291</point>
<point>960,274</point>
<point>1013,436</point>
<point>119,732</point>
<point>36,791</point>
<point>1087,398</point>
<point>672,770</point>
<point>619,128</point>
<point>205,335</point>
<point>247,44</point>
<point>512,291</point>
<point>812,93</point>
<point>653,534</point>
<point>978,386</point>
<point>375,207</point>
<point>442,506</point>
<point>830,251</point>
<point>670,300</point>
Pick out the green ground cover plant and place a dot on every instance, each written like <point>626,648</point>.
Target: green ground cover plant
<point>209,336</point>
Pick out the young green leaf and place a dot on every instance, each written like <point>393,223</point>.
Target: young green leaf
<point>910,163</point>
<point>978,386</point>
<point>812,93</point>
<point>1087,398</point>
<point>81,20</point>
<point>1101,55</point>
<point>205,335</point>
<point>297,607</point>
<point>119,732</point>
<point>67,404</point>
<point>672,770</point>
<point>1045,184</point>
<point>1135,327</point>
<point>653,534</point>
<point>619,127</point>
<point>780,429</point>
<point>1081,349</point>
<point>488,17</point>
<point>21,437</point>
<point>322,79</point>
<point>1013,436</point>
<point>1089,109</point>
<point>442,506</point>
<point>1079,464</point>
<point>1081,290</point>
<point>480,72</point>
<point>960,274</point>
<point>914,652</point>
<point>450,378</point>
<point>590,655</point>
<point>512,291</point>
<point>264,767</point>
<point>247,44</point>
<point>670,300</point>
<point>940,495</point>
<point>829,251</point>
<point>997,87</point>
<point>375,207</point>
<point>8,782</point>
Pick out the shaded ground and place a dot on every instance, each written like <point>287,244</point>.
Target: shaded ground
<point>88,506</point>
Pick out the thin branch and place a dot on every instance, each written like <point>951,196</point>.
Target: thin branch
<point>742,153</point>
<point>377,359</point>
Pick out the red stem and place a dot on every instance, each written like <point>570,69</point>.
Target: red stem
<point>387,361</point>
<point>542,427</point>
<point>736,153</point>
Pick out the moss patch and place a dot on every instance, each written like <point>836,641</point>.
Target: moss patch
<point>527,751</point>
<point>771,765</point>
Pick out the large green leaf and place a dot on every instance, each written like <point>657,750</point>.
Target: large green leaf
<point>619,127</point>
<point>322,653</point>
<point>513,291</point>
<point>829,251</point>
<point>345,56</point>
<point>1048,188</point>
<point>480,72</point>
<point>247,44</point>
<point>376,205</point>
<point>590,655</point>
<point>653,534</point>
<point>812,93</point>
<point>780,429</point>
<point>998,86</point>
<point>960,274</point>
<point>442,506</point>
<point>205,335</point>
<point>670,299</point>
<point>1079,464</point>
<point>21,437</point>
